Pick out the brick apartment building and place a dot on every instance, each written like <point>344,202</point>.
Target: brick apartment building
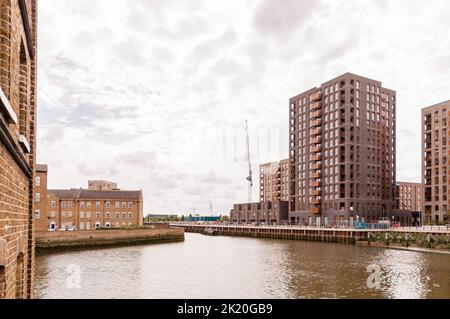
<point>274,181</point>
<point>342,152</point>
<point>260,213</point>
<point>85,209</point>
<point>435,162</point>
<point>18,39</point>
<point>409,196</point>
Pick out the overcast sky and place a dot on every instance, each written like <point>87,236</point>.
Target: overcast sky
<point>153,94</point>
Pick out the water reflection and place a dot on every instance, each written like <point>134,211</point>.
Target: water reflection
<point>229,268</point>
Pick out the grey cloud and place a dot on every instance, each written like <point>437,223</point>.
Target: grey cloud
<point>84,114</point>
<point>208,49</point>
<point>281,19</point>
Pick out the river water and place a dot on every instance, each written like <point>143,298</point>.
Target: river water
<point>235,268</point>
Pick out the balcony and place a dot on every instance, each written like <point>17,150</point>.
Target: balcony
<point>315,210</point>
<point>316,140</point>
<point>316,184</point>
<point>316,114</point>
<point>316,96</point>
<point>316,123</point>
<point>315,175</point>
<point>315,158</point>
<point>316,202</point>
<point>316,106</point>
<point>316,149</point>
<point>316,193</point>
<point>316,166</point>
<point>315,131</point>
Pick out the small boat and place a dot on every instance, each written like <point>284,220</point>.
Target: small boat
<point>210,232</point>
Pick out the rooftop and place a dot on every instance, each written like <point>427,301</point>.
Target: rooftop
<point>91,194</point>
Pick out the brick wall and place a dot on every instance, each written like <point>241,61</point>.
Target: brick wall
<point>17,158</point>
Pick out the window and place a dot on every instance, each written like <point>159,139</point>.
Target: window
<point>97,205</point>
<point>53,204</point>
<point>37,197</point>
<point>37,214</point>
<point>52,214</point>
<point>63,204</point>
<point>107,204</point>
<point>63,215</point>
<point>117,216</point>
<point>124,215</point>
<point>88,204</point>
<point>82,205</point>
<point>124,205</point>
<point>88,215</point>
<point>130,215</point>
<point>97,215</point>
<point>130,205</point>
<point>107,214</point>
<point>69,204</point>
<point>81,214</point>
<point>69,214</point>
<point>81,226</point>
<point>117,205</point>
<point>38,181</point>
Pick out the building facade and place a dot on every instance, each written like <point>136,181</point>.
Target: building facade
<point>102,186</point>
<point>84,209</point>
<point>40,196</point>
<point>342,152</point>
<point>18,37</point>
<point>260,213</point>
<point>435,163</point>
<point>274,181</point>
<point>409,196</point>
<point>81,209</point>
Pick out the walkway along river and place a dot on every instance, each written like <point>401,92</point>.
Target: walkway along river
<point>233,267</point>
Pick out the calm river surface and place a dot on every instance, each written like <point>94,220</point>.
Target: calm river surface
<point>234,268</point>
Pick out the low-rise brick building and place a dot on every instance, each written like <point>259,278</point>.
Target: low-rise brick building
<point>260,213</point>
<point>85,209</point>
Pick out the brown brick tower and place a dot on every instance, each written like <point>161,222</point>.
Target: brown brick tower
<point>342,152</point>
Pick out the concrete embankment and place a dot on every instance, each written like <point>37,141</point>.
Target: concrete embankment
<point>97,238</point>
<point>428,239</point>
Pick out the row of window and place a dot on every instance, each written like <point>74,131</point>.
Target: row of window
<point>88,215</point>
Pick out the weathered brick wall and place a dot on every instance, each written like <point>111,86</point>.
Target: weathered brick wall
<point>18,82</point>
<point>14,203</point>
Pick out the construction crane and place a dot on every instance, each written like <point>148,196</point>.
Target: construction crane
<point>210,207</point>
<point>250,174</point>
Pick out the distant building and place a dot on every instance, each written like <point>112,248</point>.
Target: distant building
<point>40,186</point>
<point>102,186</point>
<point>409,196</point>
<point>258,213</point>
<point>435,163</point>
<point>274,181</point>
<point>81,209</point>
<point>202,218</point>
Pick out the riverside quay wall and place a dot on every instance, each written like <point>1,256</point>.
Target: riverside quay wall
<point>437,237</point>
<point>88,239</point>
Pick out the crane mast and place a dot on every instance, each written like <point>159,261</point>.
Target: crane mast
<point>250,174</point>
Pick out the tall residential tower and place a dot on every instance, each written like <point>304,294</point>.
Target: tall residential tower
<point>342,152</point>
<point>435,162</point>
